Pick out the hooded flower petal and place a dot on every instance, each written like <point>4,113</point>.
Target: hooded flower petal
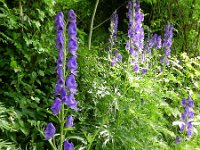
<point>71,16</point>
<point>49,131</point>
<point>71,101</point>
<point>69,122</point>
<point>72,46</point>
<point>71,83</point>
<point>56,106</point>
<point>72,65</point>
<point>68,145</point>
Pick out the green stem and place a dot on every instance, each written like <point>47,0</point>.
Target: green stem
<point>62,113</point>
<point>91,25</point>
<point>62,119</point>
<point>95,134</point>
<point>52,145</point>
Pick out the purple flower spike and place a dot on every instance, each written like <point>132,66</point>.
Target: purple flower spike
<point>187,116</point>
<point>68,145</point>
<point>72,65</point>
<point>71,83</point>
<point>56,106</point>
<point>178,140</point>
<point>69,123</point>
<point>49,131</point>
<point>114,21</point>
<point>167,41</point>
<point>72,32</point>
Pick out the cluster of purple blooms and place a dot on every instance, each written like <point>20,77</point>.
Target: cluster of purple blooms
<point>114,25</point>
<point>65,89</point>
<point>135,43</point>
<point>167,42</point>
<point>186,118</point>
<point>155,42</point>
<point>116,58</point>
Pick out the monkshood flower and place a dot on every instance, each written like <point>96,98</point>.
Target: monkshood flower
<point>59,24</point>
<point>68,145</point>
<point>56,106</point>
<point>155,42</point>
<point>167,41</point>
<point>71,83</point>
<point>144,71</point>
<point>72,65</point>
<point>69,122</point>
<point>114,24</point>
<point>135,43</point>
<point>116,58</point>
<point>72,32</point>
<point>130,12</point>
<point>139,31</point>
<point>129,45</point>
<point>59,21</point>
<point>113,37</point>
<point>70,101</point>
<point>159,42</point>
<point>187,116</point>
<point>136,68</point>
<point>49,131</point>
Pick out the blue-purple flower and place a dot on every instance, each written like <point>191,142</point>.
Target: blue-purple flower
<point>70,101</point>
<point>72,65</point>
<point>116,58</point>
<point>69,123</point>
<point>187,116</point>
<point>144,71</point>
<point>59,21</point>
<point>167,41</point>
<point>72,32</point>
<point>72,46</point>
<point>71,83</point>
<point>136,68</point>
<point>56,106</point>
<point>68,145</point>
<point>178,140</point>
<point>49,131</point>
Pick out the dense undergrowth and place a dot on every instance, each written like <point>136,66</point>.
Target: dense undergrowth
<point>118,108</point>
